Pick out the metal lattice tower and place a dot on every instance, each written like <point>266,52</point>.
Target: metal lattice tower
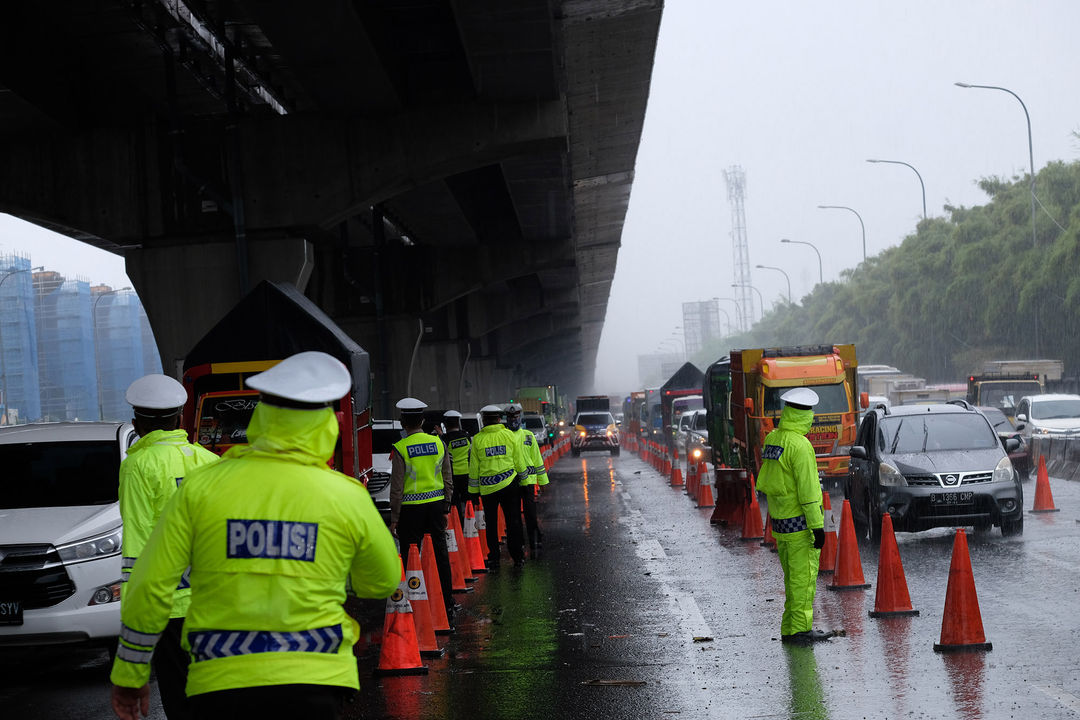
<point>736,185</point>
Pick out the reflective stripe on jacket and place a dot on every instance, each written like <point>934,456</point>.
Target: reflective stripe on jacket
<point>459,445</point>
<point>272,536</point>
<point>149,476</point>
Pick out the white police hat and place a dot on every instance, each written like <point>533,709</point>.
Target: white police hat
<point>156,392</point>
<point>411,406</point>
<point>310,377</point>
<point>491,410</point>
<point>513,408</point>
<point>801,398</point>
<point>451,414</point>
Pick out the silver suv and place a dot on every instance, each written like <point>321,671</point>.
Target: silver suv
<point>384,433</point>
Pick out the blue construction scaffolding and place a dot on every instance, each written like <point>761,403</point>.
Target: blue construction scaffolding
<point>19,398</point>
<point>125,348</point>
<point>66,361</point>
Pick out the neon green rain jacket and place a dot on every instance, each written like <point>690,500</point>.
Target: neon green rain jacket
<point>536,473</point>
<point>270,533</point>
<point>149,476</point>
<point>789,474</point>
<point>496,459</point>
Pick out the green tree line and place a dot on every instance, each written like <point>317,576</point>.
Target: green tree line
<point>960,290</point>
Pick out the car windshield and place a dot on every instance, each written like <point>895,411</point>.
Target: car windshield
<point>1055,409</point>
<point>534,423</point>
<point>53,474</point>
<point>997,419</point>
<point>1005,395</point>
<point>595,419</point>
<point>383,439</point>
<point>898,434</point>
<point>831,399</point>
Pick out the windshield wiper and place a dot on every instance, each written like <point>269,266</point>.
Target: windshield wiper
<point>896,439</point>
<point>925,434</point>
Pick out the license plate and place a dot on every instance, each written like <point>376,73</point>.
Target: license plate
<point>11,612</point>
<point>951,498</point>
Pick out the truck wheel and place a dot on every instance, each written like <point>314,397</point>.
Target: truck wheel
<point>614,452</point>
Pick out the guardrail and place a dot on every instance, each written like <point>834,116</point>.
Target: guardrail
<point>1062,453</point>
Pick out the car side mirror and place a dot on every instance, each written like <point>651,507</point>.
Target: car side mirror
<point>859,452</point>
<point>1012,444</point>
<point>1022,417</point>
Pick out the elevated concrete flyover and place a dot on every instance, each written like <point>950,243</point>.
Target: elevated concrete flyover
<point>447,179</point>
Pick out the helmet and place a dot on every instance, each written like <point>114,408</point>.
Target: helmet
<point>308,378</point>
<point>156,392</point>
<point>411,406</point>
<point>451,414</point>
<point>800,398</point>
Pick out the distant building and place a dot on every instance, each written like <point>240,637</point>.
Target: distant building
<point>701,323</point>
<point>655,368</point>
<point>65,340</point>
<point>19,394</point>
<point>125,347</point>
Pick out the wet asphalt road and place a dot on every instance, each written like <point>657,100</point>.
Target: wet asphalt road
<point>603,625</point>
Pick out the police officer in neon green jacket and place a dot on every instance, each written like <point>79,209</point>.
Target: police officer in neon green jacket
<point>271,535</point>
<point>421,489</point>
<point>789,478</point>
<point>535,475</point>
<point>459,446</point>
<point>149,476</point>
<point>495,466</point>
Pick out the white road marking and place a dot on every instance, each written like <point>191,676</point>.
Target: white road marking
<point>1057,693</point>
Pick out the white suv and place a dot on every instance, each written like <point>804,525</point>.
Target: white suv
<point>60,532</point>
<point>384,433</point>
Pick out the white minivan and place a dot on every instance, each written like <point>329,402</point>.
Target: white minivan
<point>60,532</point>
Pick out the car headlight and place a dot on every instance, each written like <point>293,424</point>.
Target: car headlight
<point>889,475</point>
<point>1040,431</point>
<point>1004,471</point>
<point>93,548</point>
<point>581,433</point>
<point>696,453</point>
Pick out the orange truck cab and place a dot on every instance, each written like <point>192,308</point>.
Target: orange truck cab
<point>760,377</point>
<point>269,324</point>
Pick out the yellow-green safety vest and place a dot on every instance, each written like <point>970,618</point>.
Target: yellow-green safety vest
<point>271,535</point>
<point>459,452</point>
<point>496,460</point>
<point>149,476</point>
<point>423,455</point>
<point>536,473</point>
<point>789,472</point>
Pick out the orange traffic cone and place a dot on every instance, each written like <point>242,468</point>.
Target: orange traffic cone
<point>769,541</point>
<point>667,461</point>
<point>472,540</point>
<point>418,598</point>
<point>828,550</point>
<point>892,594</point>
<point>752,528</point>
<point>847,574</point>
<point>457,569</point>
<point>691,478</point>
<point>440,622</point>
<point>704,496</point>
<point>676,471</point>
<point>400,652</point>
<point>1044,499</point>
<point>961,625</point>
<point>481,527</point>
<point>463,549</point>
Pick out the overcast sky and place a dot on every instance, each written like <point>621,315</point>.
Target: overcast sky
<point>69,257</point>
<point>800,95</point>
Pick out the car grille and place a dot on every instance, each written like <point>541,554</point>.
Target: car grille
<point>35,575</point>
<point>922,480</point>
<point>938,480</point>
<point>378,482</point>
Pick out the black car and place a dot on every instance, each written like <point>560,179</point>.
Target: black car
<point>932,466</point>
<point>1021,458</point>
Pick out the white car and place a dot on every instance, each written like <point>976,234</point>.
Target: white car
<point>60,532</point>
<point>384,433</point>
<point>534,423</point>
<point>1047,415</point>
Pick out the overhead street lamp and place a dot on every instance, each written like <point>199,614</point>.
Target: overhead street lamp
<point>3,359</point>
<point>97,350</point>
<point>727,315</point>
<point>761,299</point>
<point>779,270</point>
<point>923,186</point>
<point>1031,165</point>
<point>738,309</point>
<point>820,272</point>
<point>861,224</point>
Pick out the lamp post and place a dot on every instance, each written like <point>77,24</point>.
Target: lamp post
<point>761,299</point>
<point>738,310</point>
<point>97,348</point>
<point>820,273</point>
<point>3,359</point>
<point>770,267</point>
<point>861,224</point>
<point>727,315</point>
<point>1031,165</point>
<point>921,184</point>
